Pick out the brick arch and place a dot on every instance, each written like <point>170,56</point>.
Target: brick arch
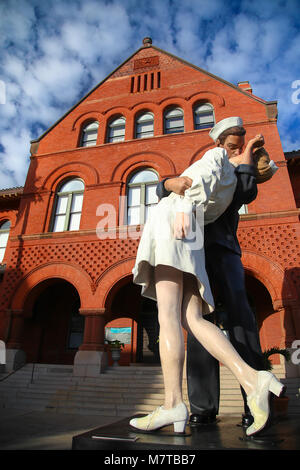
<point>86,117</point>
<point>115,274</point>
<point>208,97</point>
<point>161,163</point>
<point>117,111</point>
<point>137,168</point>
<point>173,101</point>
<point>200,152</point>
<point>9,215</point>
<point>66,271</point>
<point>145,106</point>
<point>71,169</point>
<point>271,275</point>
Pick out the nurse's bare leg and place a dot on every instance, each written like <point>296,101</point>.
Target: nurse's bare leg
<point>212,338</point>
<point>169,283</point>
<point>171,347</point>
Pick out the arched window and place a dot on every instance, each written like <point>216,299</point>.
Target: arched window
<point>144,126</point>
<point>89,134</point>
<point>68,206</point>
<point>204,116</point>
<point>4,234</point>
<point>173,121</point>
<point>141,196</point>
<point>116,130</point>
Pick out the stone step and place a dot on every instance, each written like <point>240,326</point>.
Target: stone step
<point>86,395</point>
<point>112,374</point>
<point>118,392</point>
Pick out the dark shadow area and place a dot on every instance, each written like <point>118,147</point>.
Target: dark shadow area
<point>53,327</point>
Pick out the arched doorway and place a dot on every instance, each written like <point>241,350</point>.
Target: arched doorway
<point>126,308</point>
<point>268,320</point>
<point>124,330</point>
<point>53,327</point>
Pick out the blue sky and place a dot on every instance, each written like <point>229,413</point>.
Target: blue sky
<point>53,52</point>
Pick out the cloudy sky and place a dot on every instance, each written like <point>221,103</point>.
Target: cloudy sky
<point>53,52</point>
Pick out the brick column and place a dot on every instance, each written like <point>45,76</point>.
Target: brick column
<point>290,312</point>
<point>16,329</point>
<point>295,312</point>
<point>159,123</point>
<point>93,338</point>
<point>290,315</point>
<point>130,128</point>
<point>293,366</point>
<point>188,118</point>
<point>91,358</point>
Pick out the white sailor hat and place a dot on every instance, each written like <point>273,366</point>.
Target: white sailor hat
<point>223,125</point>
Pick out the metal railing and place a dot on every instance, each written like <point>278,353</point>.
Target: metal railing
<point>13,372</point>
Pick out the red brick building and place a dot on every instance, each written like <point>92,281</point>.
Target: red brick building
<point>69,237</point>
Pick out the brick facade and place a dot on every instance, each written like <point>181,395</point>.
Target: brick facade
<point>96,273</point>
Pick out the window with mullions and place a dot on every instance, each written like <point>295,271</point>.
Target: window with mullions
<point>144,126</point>
<point>173,121</point>
<point>68,206</point>
<point>89,134</point>
<point>4,234</point>
<point>204,116</point>
<point>243,209</point>
<point>141,196</point>
<point>116,130</point>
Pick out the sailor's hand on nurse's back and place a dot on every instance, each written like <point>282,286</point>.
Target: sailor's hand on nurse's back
<point>178,185</point>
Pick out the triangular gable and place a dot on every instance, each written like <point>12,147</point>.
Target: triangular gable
<point>145,59</point>
<point>147,62</point>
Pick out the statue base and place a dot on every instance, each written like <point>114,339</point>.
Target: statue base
<point>226,434</point>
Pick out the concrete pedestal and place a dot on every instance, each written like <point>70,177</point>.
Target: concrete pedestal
<point>15,358</point>
<point>89,363</point>
<point>226,434</point>
<point>292,367</point>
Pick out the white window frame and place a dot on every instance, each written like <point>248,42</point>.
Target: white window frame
<point>143,186</point>
<point>116,130</point>
<point>4,235</point>
<point>204,111</point>
<point>68,212</point>
<point>173,120</point>
<point>144,126</point>
<point>90,134</point>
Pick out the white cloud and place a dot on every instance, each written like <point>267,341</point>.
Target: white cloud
<point>56,51</point>
<point>15,160</point>
<point>59,78</point>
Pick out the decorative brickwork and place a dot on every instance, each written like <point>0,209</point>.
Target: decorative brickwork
<point>279,243</point>
<point>146,62</point>
<point>92,257</point>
